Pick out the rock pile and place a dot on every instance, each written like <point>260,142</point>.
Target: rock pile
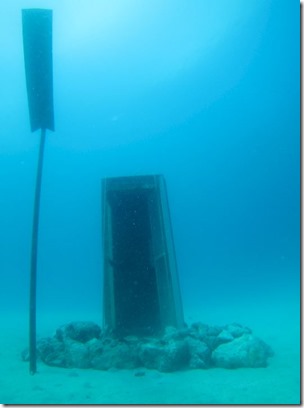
<point>85,345</point>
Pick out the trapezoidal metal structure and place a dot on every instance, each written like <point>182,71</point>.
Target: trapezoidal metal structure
<point>141,287</point>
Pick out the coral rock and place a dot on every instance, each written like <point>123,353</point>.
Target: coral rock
<point>200,354</point>
<point>244,351</point>
<point>84,345</point>
<point>79,331</point>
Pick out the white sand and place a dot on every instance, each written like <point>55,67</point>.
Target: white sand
<point>277,384</point>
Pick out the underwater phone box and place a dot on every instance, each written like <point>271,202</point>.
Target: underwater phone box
<point>141,289</point>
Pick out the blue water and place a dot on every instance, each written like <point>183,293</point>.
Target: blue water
<point>206,93</point>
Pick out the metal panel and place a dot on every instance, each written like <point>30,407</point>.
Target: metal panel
<point>108,298</point>
<point>171,255</point>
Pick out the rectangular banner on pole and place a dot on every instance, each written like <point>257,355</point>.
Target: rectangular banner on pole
<point>38,59</point>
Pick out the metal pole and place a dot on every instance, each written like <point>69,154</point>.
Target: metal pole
<point>33,276</point>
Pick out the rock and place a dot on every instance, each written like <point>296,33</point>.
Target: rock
<point>175,356</point>
<point>81,345</point>
<point>244,351</point>
<point>150,355</point>
<point>207,334</point>
<point>78,331</point>
<point>95,347</point>
<point>237,330</point>
<point>223,337</point>
<point>120,356</point>
<point>200,354</point>
<point>52,352</point>
<point>211,342</point>
<point>199,330</point>
<point>165,357</point>
<point>77,355</point>
<point>171,333</point>
<point>126,357</point>
<point>214,331</point>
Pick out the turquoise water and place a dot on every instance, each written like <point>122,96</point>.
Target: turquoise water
<point>205,93</point>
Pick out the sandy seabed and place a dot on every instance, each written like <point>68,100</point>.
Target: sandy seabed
<point>279,383</point>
